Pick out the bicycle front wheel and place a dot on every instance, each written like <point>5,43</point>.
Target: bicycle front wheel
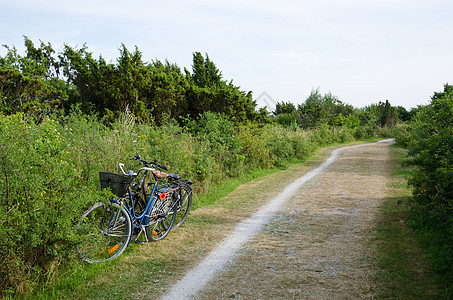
<point>105,231</point>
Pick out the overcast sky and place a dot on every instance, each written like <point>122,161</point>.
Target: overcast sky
<point>362,51</point>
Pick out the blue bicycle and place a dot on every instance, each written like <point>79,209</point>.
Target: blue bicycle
<point>107,228</point>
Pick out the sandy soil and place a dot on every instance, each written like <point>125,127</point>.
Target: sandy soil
<point>313,247</point>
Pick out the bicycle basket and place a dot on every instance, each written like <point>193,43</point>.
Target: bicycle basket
<point>117,183</point>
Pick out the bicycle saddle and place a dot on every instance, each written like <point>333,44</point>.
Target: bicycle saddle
<point>160,174</point>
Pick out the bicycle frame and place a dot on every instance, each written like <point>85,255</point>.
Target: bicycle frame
<point>144,217</point>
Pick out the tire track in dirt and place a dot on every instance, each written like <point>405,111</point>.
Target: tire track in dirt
<point>306,242</point>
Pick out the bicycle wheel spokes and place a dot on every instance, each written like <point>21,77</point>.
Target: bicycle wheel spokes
<point>184,204</point>
<point>104,231</point>
<point>161,226</point>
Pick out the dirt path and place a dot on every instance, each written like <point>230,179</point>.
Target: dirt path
<point>313,247</point>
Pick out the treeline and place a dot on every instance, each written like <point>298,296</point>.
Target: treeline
<point>429,140</point>
<point>327,109</point>
<point>66,116</point>
<point>42,82</point>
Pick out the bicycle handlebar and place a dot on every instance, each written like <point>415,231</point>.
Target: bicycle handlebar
<point>148,163</point>
<point>129,173</point>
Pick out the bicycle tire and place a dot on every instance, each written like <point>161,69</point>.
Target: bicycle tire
<point>139,204</point>
<point>183,205</point>
<point>162,224</point>
<point>105,230</point>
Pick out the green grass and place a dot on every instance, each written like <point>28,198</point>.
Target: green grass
<point>411,247</point>
<point>227,186</point>
<point>221,190</point>
<point>403,269</point>
<point>438,248</point>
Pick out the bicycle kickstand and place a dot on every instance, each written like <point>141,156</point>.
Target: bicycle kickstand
<point>142,228</point>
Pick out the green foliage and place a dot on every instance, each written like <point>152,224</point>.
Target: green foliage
<point>32,83</point>
<point>288,120</point>
<point>205,72</point>
<point>156,91</point>
<point>388,114</point>
<point>319,109</point>
<point>207,92</point>
<point>431,155</point>
<point>42,191</point>
<point>253,147</point>
<point>286,115</point>
<point>284,108</point>
<point>364,132</point>
<point>43,82</point>
<point>150,91</point>
<point>381,114</point>
<point>352,121</point>
<point>278,143</point>
<point>402,135</point>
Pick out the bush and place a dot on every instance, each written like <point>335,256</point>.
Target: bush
<point>278,144</point>
<point>42,191</point>
<point>322,135</point>
<point>430,149</point>
<point>253,148</point>
<point>364,132</point>
<point>402,134</point>
<point>345,135</point>
<point>431,155</point>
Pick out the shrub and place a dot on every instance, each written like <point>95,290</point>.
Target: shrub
<point>253,148</point>
<point>365,132</point>
<point>322,135</point>
<point>41,189</point>
<point>345,135</point>
<point>402,134</point>
<point>430,149</point>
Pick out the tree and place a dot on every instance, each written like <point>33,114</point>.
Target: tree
<point>208,92</point>
<point>284,108</point>
<point>388,114</point>
<point>204,71</point>
<point>32,83</point>
<point>152,92</point>
<point>403,114</point>
<point>312,111</point>
<point>323,109</point>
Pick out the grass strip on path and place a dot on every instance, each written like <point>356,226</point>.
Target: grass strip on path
<point>403,268</point>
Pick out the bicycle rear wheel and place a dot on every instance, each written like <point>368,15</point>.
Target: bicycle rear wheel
<point>163,217</point>
<point>183,204</point>
<point>105,231</point>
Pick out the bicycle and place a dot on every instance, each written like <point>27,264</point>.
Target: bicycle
<point>107,228</point>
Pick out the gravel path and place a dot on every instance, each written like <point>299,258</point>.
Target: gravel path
<point>306,242</point>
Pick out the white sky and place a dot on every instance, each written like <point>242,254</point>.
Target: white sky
<point>362,51</point>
